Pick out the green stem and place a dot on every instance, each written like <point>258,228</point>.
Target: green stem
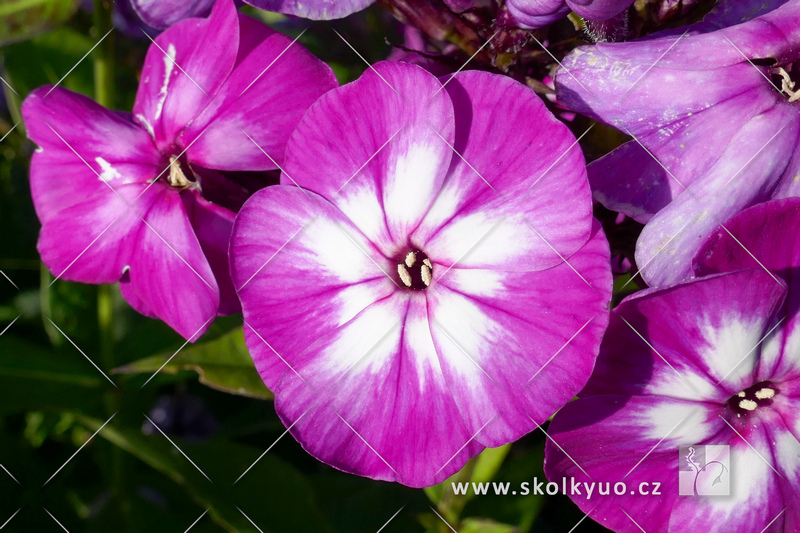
<point>105,320</point>
<point>104,94</point>
<point>104,55</point>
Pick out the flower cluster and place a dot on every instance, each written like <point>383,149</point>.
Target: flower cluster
<point>428,279</point>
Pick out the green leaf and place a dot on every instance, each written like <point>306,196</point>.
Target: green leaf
<point>272,494</point>
<point>23,19</point>
<point>223,364</point>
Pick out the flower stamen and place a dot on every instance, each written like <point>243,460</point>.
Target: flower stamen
<point>413,273</point>
<point>176,176</point>
<point>748,400</point>
<point>787,85</point>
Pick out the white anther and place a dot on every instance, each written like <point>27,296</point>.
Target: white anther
<point>426,275</point>
<point>176,176</point>
<point>741,394</point>
<point>411,258</point>
<point>427,263</point>
<point>748,405</point>
<point>405,277</point>
<point>787,85</point>
<point>765,394</point>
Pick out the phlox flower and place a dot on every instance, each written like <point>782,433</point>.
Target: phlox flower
<point>140,198</point>
<point>714,110</point>
<point>165,13</point>
<point>313,9</point>
<point>713,361</point>
<point>428,279</point>
<point>538,13</point>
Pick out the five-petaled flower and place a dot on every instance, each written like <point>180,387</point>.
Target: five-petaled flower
<point>428,279</point>
<point>715,116</point>
<point>141,198</point>
<point>713,361</point>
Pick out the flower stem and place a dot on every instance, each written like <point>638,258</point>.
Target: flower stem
<point>104,55</point>
<point>104,94</point>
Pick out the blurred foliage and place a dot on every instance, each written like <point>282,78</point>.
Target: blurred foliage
<point>23,19</point>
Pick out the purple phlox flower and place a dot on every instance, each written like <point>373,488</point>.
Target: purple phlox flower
<point>714,110</point>
<point>165,13</point>
<point>313,9</point>
<point>698,376</point>
<point>141,198</point>
<point>428,279</point>
<point>537,13</point>
<point>713,361</point>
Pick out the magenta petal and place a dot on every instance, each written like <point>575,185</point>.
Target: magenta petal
<point>702,328</point>
<point>533,14</point>
<point>750,168</point>
<point>598,9</point>
<point>741,244</point>
<point>184,68</point>
<point>212,225</point>
<point>132,297</point>
<point>516,198</point>
<point>162,14</point>
<point>602,439</point>
<point>260,105</point>
<point>89,242</point>
<point>313,9</point>
<point>504,338</point>
<point>83,147</point>
<point>89,169</point>
<point>721,132</point>
<point>310,274</point>
<point>631,181</point>
<point>381,143</point>
<point>760,500</point>
<point>168,272</point>
<point>273,264</point>
<point>384,410</point>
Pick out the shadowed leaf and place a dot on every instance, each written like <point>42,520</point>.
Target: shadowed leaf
<point>223,364</point>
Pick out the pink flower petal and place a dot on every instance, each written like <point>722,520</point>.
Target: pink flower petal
<point>212,226</point>
<point>184,68</point>
<point>721,321</point>
<point>169,274</point>
<point>86,178</point>
<point>398,123</point>
<point>344,313</point>
<point>260,104</point>
<point>313,9</point>
<point>504,338</point>
<point>516,198</point>
<point>163,14</point>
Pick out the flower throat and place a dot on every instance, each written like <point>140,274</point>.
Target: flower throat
<point>415,270</point>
